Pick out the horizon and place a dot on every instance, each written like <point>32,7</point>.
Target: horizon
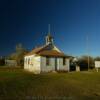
<point>26,22</point>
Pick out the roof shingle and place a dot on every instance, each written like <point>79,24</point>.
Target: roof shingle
<point>51,53</point>
<point>43,52</point>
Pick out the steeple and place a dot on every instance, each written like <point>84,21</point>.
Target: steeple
<point>49,38</point>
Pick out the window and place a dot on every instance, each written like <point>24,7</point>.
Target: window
<point>31,61</point>
<point>28,61</point>
<point>25,61</point>
<point>64,61</point>
<point>48,61</point>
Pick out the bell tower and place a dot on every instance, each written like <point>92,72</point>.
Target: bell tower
<point>49,38</point>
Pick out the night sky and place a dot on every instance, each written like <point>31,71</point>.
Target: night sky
<point>26,22</point>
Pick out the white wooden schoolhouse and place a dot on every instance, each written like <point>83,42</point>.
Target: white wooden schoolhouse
<point>47,58</point>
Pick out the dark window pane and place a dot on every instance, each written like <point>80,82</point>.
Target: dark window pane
<point>64,61</point>
<point>47,61</point>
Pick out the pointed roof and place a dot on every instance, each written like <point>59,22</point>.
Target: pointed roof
<point>52,53</point>
<point>43,51</point>
<point>36,50</point>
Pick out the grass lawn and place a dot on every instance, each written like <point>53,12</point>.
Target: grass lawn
<point>16,84</point>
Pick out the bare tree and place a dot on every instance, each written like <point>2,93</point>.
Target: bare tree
<point>19,54</point>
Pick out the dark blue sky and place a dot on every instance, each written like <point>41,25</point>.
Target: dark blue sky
<point>26,22</point>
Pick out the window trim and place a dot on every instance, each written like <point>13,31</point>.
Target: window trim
<point>28,61</point>
<point>47,61</point>
<point>64,61</point>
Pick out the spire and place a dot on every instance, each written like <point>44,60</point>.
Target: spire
<point>49,38</point>
<point>49,31</point>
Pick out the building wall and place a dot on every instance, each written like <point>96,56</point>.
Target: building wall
<point>47,68</point>
<point>38,64</point>
<point>32,63</point>
<point>63,67</point>
<point>51,67</point>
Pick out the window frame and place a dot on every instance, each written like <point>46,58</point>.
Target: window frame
<point>28,61</point>
<point>64,61</point>
<point>47,61</point>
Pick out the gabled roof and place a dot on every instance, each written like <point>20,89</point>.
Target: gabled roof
<point>43,51</point>
<point>53,53</point>
<point>35,51</point>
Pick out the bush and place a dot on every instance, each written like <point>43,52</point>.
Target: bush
<point>83,62</point>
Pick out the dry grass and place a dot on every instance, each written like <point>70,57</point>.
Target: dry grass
<point>20,85</point>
